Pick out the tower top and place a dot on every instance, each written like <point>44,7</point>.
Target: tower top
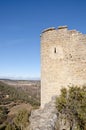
<point>53,28</point>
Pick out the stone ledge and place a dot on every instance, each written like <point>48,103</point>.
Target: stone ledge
<point>63,27</point>
<point>48,29</point>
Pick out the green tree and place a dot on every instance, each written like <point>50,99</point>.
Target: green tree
<point>72,103</point>
<point>22,119</point>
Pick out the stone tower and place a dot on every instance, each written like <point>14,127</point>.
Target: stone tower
<point>63,61</point>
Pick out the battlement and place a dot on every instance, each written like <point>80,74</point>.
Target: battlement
<point>61,31</point>
<point>53,28</point>
<point>61,28</point>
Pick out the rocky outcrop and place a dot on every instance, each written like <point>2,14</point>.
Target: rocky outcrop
<point>44,119</point>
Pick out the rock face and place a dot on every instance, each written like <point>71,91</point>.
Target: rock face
<point>44,119</point>
<point>63,61</point>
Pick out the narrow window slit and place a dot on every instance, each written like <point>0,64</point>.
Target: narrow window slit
<point>54,50</point>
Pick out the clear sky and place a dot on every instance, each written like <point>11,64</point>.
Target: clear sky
<point>21,22</point>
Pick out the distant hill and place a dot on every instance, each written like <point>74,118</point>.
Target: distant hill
<point>22,90</point>
<point>15,96</point>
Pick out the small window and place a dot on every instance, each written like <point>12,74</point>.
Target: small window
<point>54,50</point>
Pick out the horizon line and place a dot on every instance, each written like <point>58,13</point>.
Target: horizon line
<point>19,78</point>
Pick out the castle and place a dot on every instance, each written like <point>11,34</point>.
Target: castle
<point>63,61</point>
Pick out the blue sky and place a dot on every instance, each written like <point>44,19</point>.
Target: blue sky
<point>21,22</point>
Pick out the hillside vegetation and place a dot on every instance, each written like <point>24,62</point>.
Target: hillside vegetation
<point>10,93</point>
<point>16,103</point>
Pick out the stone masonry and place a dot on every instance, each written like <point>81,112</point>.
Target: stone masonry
<point>63,61</point>
<point>44,119</point>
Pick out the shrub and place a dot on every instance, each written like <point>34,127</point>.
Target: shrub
<point>72,103</point>
<point>22,119</point>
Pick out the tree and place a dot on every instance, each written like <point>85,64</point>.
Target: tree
<point>22,119</point>
<point>72,103</point>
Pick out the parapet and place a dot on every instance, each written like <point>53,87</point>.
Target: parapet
<point>53,28</point>
<point>63,30</point>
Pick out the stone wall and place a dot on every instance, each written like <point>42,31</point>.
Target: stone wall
<point>44,119</point>
<point>63,61</point>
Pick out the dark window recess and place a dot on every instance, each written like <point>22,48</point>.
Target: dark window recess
<point>54,50</point>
